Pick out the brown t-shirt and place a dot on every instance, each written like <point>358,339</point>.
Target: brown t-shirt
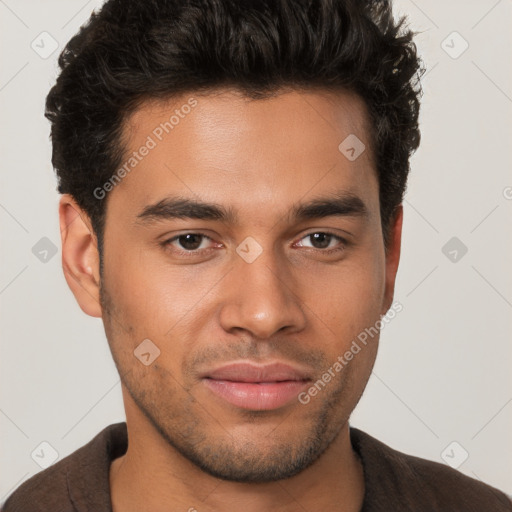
<point>394,482</point>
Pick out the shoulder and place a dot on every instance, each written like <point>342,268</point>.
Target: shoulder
<point>69,481</point>
<point>409,482</point>
<point>47,490</point>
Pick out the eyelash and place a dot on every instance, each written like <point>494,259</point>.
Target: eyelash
<point>183,252</point>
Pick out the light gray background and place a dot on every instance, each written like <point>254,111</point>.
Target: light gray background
<point>443,369</point>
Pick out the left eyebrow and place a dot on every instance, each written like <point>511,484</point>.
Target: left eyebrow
<point>341,204</point>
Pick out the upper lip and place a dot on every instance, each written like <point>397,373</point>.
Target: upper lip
<point>250,372</point>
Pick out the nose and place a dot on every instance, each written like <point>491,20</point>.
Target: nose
<point>260,298</point>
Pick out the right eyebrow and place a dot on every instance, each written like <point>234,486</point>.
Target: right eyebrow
<point>182,208</point>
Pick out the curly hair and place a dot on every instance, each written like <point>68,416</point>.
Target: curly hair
<point>131,51</point>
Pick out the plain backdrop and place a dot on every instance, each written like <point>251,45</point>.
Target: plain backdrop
<point>441,388</point>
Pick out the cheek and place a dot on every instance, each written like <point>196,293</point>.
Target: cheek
<point>157,299</point>
<point>347,298</point>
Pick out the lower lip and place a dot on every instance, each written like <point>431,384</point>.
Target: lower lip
<point>257,396</point>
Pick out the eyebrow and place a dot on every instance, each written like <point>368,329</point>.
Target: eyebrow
<point>341,204</point>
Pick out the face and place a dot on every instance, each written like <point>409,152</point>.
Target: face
<point>248,249</point>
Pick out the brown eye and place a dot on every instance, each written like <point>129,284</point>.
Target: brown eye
<point>188,242</point>
<point>321,240</point>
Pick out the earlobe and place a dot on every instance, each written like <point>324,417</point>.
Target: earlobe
<point>80,257</point>
<point>393,257</point>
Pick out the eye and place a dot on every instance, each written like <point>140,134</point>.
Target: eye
<point>323,241</point>
<point>189,242</point>
<point>196,243</point>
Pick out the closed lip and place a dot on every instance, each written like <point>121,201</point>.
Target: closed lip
<point>251,372</point>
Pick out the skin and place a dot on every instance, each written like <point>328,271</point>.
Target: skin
<point>188,448</point>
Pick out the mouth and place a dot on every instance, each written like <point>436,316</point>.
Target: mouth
<point>257,387</point>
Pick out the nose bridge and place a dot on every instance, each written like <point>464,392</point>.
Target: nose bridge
<point>261,298</point>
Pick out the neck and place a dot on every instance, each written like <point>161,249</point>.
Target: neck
<point>153,476</point>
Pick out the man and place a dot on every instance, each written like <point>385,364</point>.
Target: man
<point>232,176</point>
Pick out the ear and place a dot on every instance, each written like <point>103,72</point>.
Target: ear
<point>393,257</point>
<point>80,256</point>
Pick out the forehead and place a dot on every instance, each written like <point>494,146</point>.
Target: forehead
<point>226,148</point>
